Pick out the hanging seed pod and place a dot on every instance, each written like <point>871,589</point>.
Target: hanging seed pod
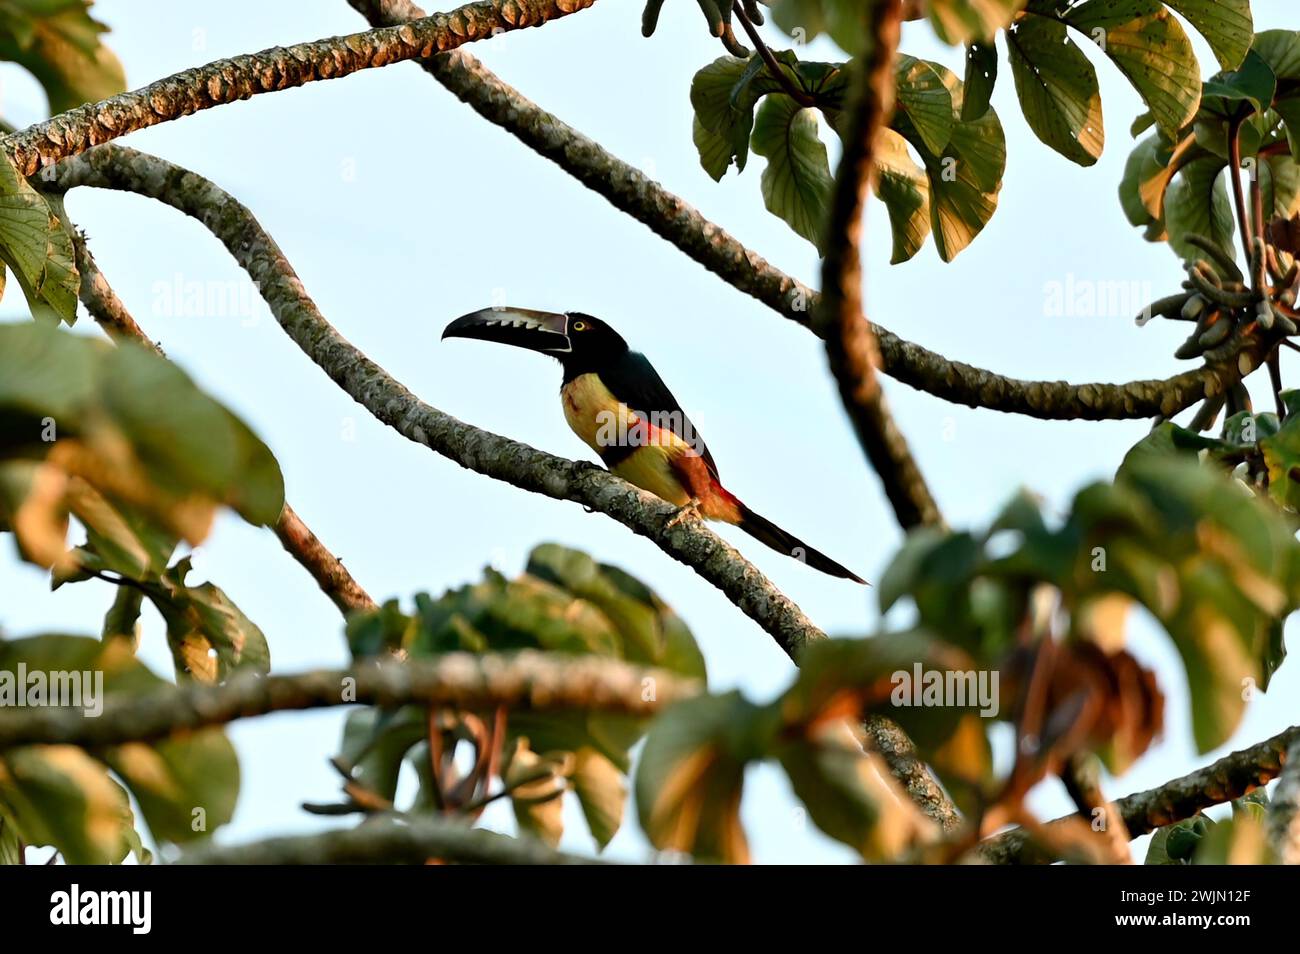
<point>1285,324</point>
<point>1264,314</point>
<point>1191,348</point>
<point>1216,332</point>
<point>1170,308</point>
<point>1226,265</point>
<point>1194,308</point>
<point>1207,272</point>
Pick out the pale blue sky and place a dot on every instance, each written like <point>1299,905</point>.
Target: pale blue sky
<point>400,209</point>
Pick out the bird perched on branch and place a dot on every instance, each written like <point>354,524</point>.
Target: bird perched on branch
<point>616,402</point>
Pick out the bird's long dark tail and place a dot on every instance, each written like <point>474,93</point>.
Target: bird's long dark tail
<point>764,530</point>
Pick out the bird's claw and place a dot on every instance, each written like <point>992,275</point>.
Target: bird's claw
<point>688,511</point>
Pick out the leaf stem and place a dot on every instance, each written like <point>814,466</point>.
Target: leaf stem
<point>799,95</point>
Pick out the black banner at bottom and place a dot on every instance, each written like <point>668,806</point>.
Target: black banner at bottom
<point>341,903</point>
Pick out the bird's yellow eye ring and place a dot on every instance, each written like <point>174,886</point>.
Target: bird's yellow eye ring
<point>579,326</point>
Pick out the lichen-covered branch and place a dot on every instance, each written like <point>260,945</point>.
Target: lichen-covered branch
<point>529,679</point>
<point>676,221</point>
<point>1230,777</point>
<point>385,841</point>
<point>304,546</point>
<point>240,77</point>
<point>1284,810</point>
<point>690,542</point>
<point>851,346</point>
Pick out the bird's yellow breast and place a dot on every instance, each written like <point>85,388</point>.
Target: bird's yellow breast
<point>638,453</point>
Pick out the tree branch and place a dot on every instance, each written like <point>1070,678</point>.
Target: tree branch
<point>676,221</point>
<point>240,77</point>
<point>388,842</point>
<point>529,679</point>
<point>325,568</point>
<point>116,167</point>
<point>851,346</point>
<point>689,542</point>
<point>1284,809</point>
<point>1230,777</point>
<point>304,546</point>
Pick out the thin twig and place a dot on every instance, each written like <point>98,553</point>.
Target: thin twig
<point>799,95</point>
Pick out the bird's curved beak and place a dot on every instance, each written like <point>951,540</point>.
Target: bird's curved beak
<point>543,331</point>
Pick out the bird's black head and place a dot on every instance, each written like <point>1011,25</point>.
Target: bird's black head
<point>580,342</point>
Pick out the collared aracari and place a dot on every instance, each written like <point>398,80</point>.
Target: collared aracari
<point>616,402</point>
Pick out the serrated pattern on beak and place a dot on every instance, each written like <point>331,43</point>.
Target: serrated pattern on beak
<point>541,331</point>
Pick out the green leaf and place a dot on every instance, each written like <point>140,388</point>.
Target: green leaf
<point>723,95</point>
<point>797,182</point>
<point>1148,45</point>
<point>964,21</point>
<point>692,774</point>
<point>35,245</point>
<point>602,793</point>
<point>126,442</point>
<point>1058,89</point>
<point>925,99</point>
<point>1254,83</point>
<point>1227,26</point>
<point>564,602</point>
<point>537,796</point>
<point>186,788</point>
<point>58,795</point>
<point>805,20</point>
<point>848,794</point>
<point>186,785</point>
<point>209,635</point>
<point>1282,457</point>
<point>188,439</point>
<point>715,152</point>
<point>966,178</point>
<point>980,80</point>
<point>1146,164</point>
<point>1280,182</point>
<point>58,42</point>
<point>651,633</point>
<point>1198,204</point>
<point>1280,49</point>
<point>904,187</point>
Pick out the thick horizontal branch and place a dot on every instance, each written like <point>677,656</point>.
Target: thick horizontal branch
<point>676,221</point>
<point>525,680</point>
<point>1230,777</point>
<point>390,842</point>
<point>111,314</point>
<point>240,77</point>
